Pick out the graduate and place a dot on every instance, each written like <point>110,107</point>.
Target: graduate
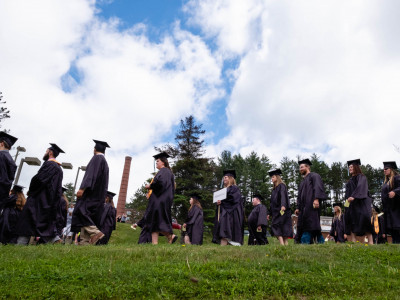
<point>229,216</point>
<point>108,219</point>
<point>90,197</point>
<point>378,224</point>
<point>391,200</point>
<point>10,215</point>
<point>62,211</point>
<point>257,222</point>
<point>38,218</point>
<point>7,166</point>
<point>338,225</point>
<point>145,233</point>
<point>193,227</point>
<point>359,212</point>
<point>310,193</point>
<point>161,192</point>
<point>280,209</point>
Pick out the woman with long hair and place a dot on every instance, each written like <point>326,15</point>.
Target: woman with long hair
<point>11,213</point>
<point>338,225</point>
<point>391,200</point>
<point>161,192</point>
<point>357,194</point>
<point>280,209</point>
<point>193,226</point>
<point>229,217</point>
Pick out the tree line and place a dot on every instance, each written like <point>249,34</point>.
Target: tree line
<point>196,173</point>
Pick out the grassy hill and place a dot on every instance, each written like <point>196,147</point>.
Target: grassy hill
<point>125,270</point>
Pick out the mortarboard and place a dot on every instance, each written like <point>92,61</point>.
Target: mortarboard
<point>18,188</point>
<point>231,173</point>
<point>305,161</point>
<point>390,164</point>
<point>56,150</point>
<point>354,162</point>
<point>275,172</point>
<point>110,194</point>
<point>9,139</point>
<point>259,197</point>
<point>101,146</point>
<point>161,155</point>
<point>337,204</point>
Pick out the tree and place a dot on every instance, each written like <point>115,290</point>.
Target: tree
<point>69,193</point>
<point>193,172</point>
<point>4,112</point>
<point>138,202</point>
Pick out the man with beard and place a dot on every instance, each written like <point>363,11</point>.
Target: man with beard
<point>38,218</point>
<point>90,197</point>
<point>7,166</point>
<point>311,192</point>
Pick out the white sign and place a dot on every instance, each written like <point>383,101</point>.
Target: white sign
<point>220,195</point>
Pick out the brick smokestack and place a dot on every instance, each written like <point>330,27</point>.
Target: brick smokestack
<point>123,190</point>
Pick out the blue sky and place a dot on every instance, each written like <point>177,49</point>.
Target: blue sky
<point>281,78</point>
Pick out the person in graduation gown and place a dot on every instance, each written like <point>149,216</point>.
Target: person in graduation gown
<point>391,200</point>
<point>108,219</point>
<point>257,222</point>
<point>229,216</point>
<point>193,226</point>
<point>10,215</point>
<point>7,166</point>
<point>62,211</point>
<point>145,233</point>
<point>310,193</point>
<point>280,211</point>
<point>161,192</point>
<point>359,211</point>
<point>90,197</point>
<point>38,218</point>
<point>338,225</point>
<point>377,221</point>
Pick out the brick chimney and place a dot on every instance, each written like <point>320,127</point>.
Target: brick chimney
<point>124,186</point>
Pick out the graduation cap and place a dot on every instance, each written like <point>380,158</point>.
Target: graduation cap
<point>390,164</point>
<point>56,150</point>
<point>9,139</point>
<point>376,209</point>
<point>305,161</point>
<point>110,194</point>
<point>64,189</point>
<point>196,196</point>
<point>161,155</point>
<point>337,204</point>
<point>100,146</point>
<point>354,162</point>
<point>259,197</point>
<point>231,173</point>
<point>275,172</point>
<point>18,188</point>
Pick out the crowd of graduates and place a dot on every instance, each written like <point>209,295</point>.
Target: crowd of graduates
<point>45,216</point>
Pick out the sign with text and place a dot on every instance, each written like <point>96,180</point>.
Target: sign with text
<point>220,195</point>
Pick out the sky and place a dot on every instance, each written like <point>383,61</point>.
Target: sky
<point>282,78</point>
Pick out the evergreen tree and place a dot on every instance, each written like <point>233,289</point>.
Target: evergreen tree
<point>69,193</point>
<point>4,112</point>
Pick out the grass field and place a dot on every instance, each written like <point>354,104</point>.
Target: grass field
<point>124,269</point>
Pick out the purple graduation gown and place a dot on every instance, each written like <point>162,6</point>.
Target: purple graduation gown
<point>38,217</point>
<point>194,225</point>
<point>89,207</point>
<point>281,224</point>
<point>8,221</point>
<point>7,173</point>
<point>231,219</point>
<point>107,223</point>
<point>338,229</point>
<point>391,206</point>
<point>158,212</point>
<point>258,217</point>
<point>359,212</point>
<point>310,188</point>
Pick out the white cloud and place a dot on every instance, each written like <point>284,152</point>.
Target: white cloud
<point>321,76</point>
<point>131,90</point>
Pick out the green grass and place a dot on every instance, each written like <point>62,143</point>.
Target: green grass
<point>124,269</point>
